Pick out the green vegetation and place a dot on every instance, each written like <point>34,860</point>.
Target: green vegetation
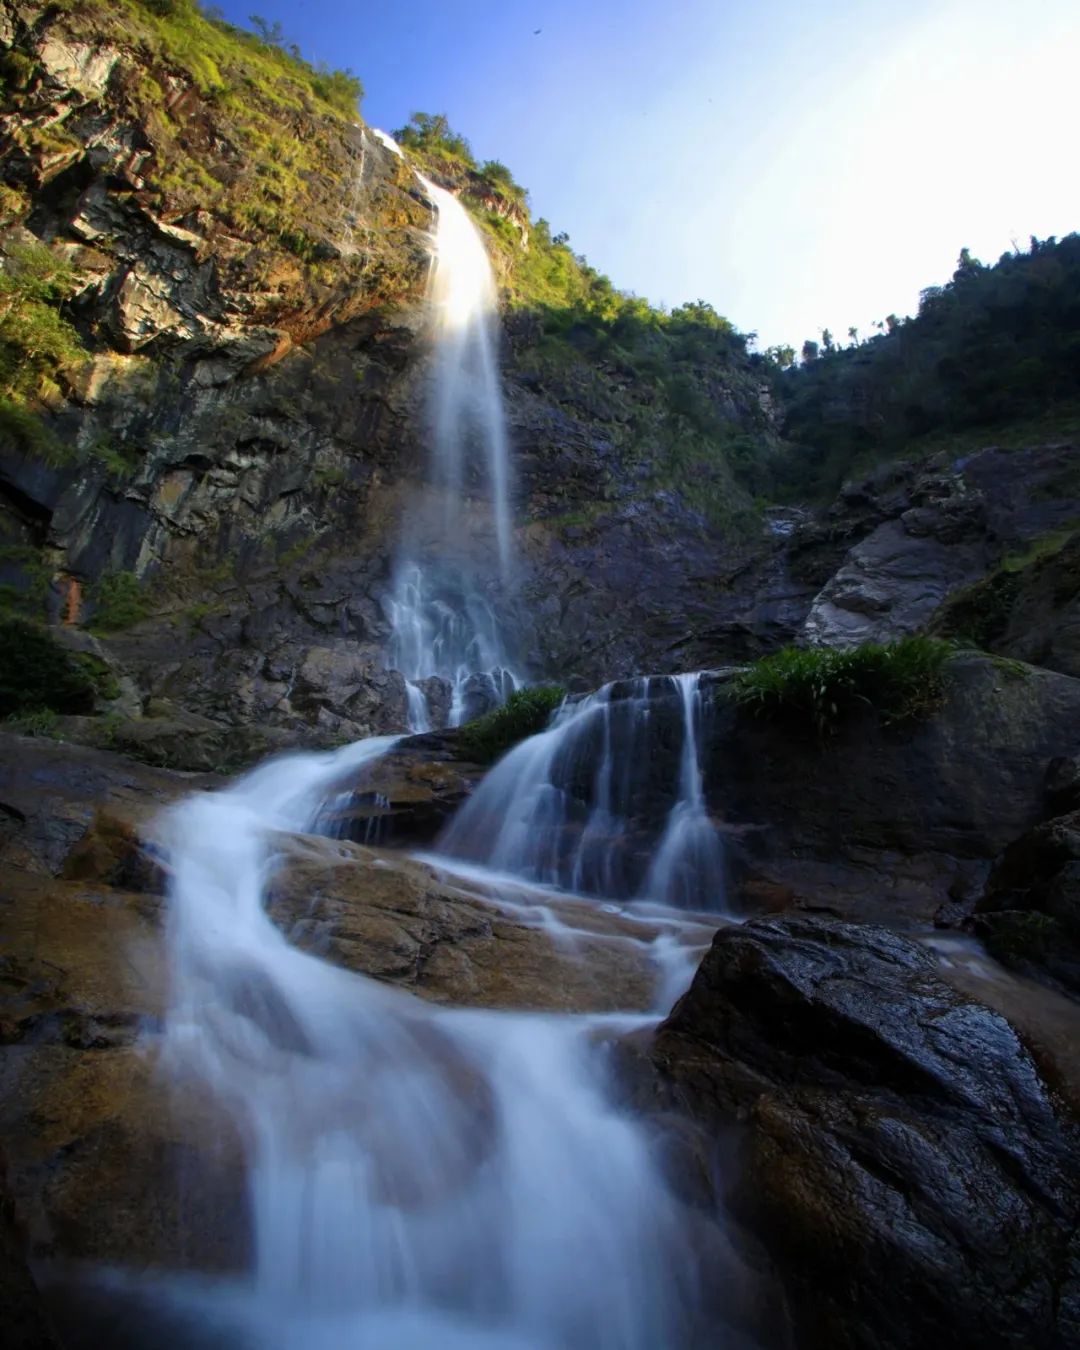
<point>254,87</point>
<point>37,343</point>
<point>524,713</point>
<point>995,345</point>
<point>36,674</point>
<point>120,600</point>
<point>817,688</point>
<point>980,613</point>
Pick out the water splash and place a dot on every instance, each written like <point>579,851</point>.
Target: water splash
<point>451,632</point>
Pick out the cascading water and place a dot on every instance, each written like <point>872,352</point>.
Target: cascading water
<point>420,1178</point>
<point>442,624</point>
<point>573,806</point>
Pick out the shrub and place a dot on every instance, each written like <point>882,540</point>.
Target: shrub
<point>119,601</point>
<point>524,713</point>
<point>36,674</point>
<point>819,687</point>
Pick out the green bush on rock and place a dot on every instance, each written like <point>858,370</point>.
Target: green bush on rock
<point>818,687</point>
<point>37,675</point>
<point>524,713</point>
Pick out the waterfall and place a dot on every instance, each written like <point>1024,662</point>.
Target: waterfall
<point>442,623</point>
<point>573,806</point>
<point>421,1178</point>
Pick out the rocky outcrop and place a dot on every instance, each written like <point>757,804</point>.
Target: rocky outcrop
<point>900,1156</point>
<point>891,824</point>
<point>939,531</point>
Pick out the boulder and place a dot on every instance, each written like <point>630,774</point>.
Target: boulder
<point>890,823</point>
<point>899,1155</point>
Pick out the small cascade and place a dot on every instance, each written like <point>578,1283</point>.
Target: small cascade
<point>690,856</point>
<point>576,806</point>
<point>419,1177</point>
<point>439,607</point>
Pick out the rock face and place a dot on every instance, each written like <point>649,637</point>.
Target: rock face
<point>892,824</point>
<point>900,1157</point>
<point>940,532</point>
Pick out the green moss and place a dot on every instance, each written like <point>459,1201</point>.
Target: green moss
<point>119,599</point>
<point>525,712</point>
<point>817,688</point>
<point>980,613</point>
<point>37,674</point>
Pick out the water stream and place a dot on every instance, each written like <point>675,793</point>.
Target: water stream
<point>419,1178</point>
<point>576,807</point>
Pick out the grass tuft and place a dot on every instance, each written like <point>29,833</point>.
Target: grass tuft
<point>819,687</point>
<point>525,712</point>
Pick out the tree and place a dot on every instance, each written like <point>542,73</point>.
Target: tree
<point>431,133</point>
<point>810,350</point>
<point>853,334</point>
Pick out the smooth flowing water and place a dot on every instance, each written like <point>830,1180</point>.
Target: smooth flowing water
<point>576,806</point>
<point>419,1178</point>
<point>440,607</point>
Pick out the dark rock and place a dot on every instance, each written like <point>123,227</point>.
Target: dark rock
<point>1029,914</point>
<point>26,1323</point>
<point>1063,784</point>
<point>901,1159</point>
<point>892,823</point>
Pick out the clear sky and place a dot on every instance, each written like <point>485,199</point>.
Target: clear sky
<point>797,163</point>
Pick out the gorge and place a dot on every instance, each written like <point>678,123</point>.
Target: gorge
<point>522,824</point>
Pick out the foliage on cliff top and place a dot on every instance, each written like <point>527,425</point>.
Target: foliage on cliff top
<point>817,688</point>
<point>525,712</point>
<point>240,124</point>
<point>995,344</point>
<point>224,60</point>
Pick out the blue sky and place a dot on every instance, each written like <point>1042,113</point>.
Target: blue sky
<point>797,164</point>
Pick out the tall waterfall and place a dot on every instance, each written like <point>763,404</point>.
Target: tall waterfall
<point>571,807</point>
<point>420,1178</point>
<point>442,622</point>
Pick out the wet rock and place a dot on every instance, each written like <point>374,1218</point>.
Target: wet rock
<point>406,797</point>
<point>900,1158</point>
<point>51,792</point>
<point>403,922</point>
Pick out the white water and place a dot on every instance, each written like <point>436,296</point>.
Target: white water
<point>449,631</point>
<point>420,1179</point>
<point>441,619</point>
<point>570,807</point>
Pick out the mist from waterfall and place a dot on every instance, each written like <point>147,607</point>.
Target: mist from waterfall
<point>442,619</point>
